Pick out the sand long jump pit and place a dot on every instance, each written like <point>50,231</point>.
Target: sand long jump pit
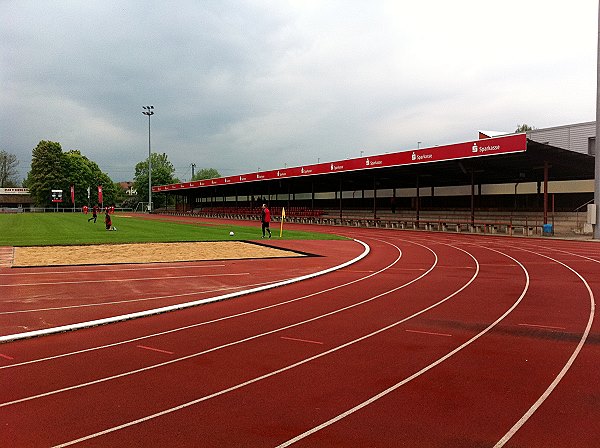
<point>143,253</point>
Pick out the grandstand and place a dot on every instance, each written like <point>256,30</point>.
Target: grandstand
<point>506,184</point>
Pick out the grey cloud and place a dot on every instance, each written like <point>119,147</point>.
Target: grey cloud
<point>238,85</point>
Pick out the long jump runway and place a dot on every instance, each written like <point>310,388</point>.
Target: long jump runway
<point>431,340</point>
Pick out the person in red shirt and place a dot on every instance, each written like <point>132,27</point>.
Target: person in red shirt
<point>94,213</point>
<point>108,220</point>
<point>265,218</point>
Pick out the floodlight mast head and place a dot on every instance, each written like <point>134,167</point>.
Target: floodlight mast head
<point>149,110</point>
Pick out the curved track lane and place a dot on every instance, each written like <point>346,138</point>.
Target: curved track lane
<point>431,340</point>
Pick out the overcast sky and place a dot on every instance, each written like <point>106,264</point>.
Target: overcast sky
<point>247,85</point>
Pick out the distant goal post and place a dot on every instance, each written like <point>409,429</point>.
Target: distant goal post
<point>143,207</point>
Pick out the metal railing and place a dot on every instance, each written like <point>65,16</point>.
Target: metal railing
<point>53,210</point>
<point>584,205</point>
<point>527,226</point>
<point>578,210</point>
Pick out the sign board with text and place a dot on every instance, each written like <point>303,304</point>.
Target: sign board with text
<point>14,190</point>
<point>479,148</point>
<point>57,195</point>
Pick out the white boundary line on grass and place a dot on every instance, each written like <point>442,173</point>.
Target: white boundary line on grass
<point>124,317</point>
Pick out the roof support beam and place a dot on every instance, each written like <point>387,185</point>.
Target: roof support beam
<point>418,202</point>
<point>597,152</point>
<point>472,198</point>
<point>341,191</point>
<point>546,192</point>
<point>374,197</point>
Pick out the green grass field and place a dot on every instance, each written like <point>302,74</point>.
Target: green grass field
<point>48,229</point>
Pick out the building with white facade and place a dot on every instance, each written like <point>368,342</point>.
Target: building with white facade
<point>579,137</point>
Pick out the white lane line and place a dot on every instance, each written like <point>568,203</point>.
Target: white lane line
<point>302,340</point>
<point>142,299</point>
<point>428,332</point>
<point>143,279</point>
<point>93,271</point>
<point>579,255</point>
<point>542,326</point>
<point>511,432</point>
<point>7,255</point>
<point>299,363</point>
<point>213,349</point>
<point>416,374</point>
<point>151,312</point>
<point>188,327</point>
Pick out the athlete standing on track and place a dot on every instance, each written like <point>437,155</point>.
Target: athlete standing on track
<point>265,218</point>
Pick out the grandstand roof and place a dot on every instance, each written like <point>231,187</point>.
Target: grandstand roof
<point>506,159</point>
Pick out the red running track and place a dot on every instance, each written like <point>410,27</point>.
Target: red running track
<point>431,340</point>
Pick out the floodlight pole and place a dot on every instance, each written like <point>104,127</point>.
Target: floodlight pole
<point>596,142</point>
<point>149,111</point>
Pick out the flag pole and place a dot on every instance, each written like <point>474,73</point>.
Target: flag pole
<point>282,219</point>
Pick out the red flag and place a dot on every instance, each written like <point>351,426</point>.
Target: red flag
<point>73,194</point>
<point>100,194</point>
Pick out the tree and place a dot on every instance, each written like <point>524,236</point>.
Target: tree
<point>8,170</point>
<point>46,172</point>
<point>524,128</point>
<point>206,173</point>
<point>52,169</point>
<point>121,196</point>
<point>162,174</point>
<point>82,173</point>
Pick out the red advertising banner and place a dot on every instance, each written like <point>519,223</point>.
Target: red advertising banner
<point>476,148</point>
<point>73,194</point>
<point>100,199</point>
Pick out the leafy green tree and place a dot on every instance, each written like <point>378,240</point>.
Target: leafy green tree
<point>52,169</point>
<point>131,202</point>
<point>206,173</point>
<point>109,190</point>
<point>8,170</point>
<point>46,172</point>
<point>524,128</point>
<point>120,195</point>
<point>81,174</point>
<point>162,174</point>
